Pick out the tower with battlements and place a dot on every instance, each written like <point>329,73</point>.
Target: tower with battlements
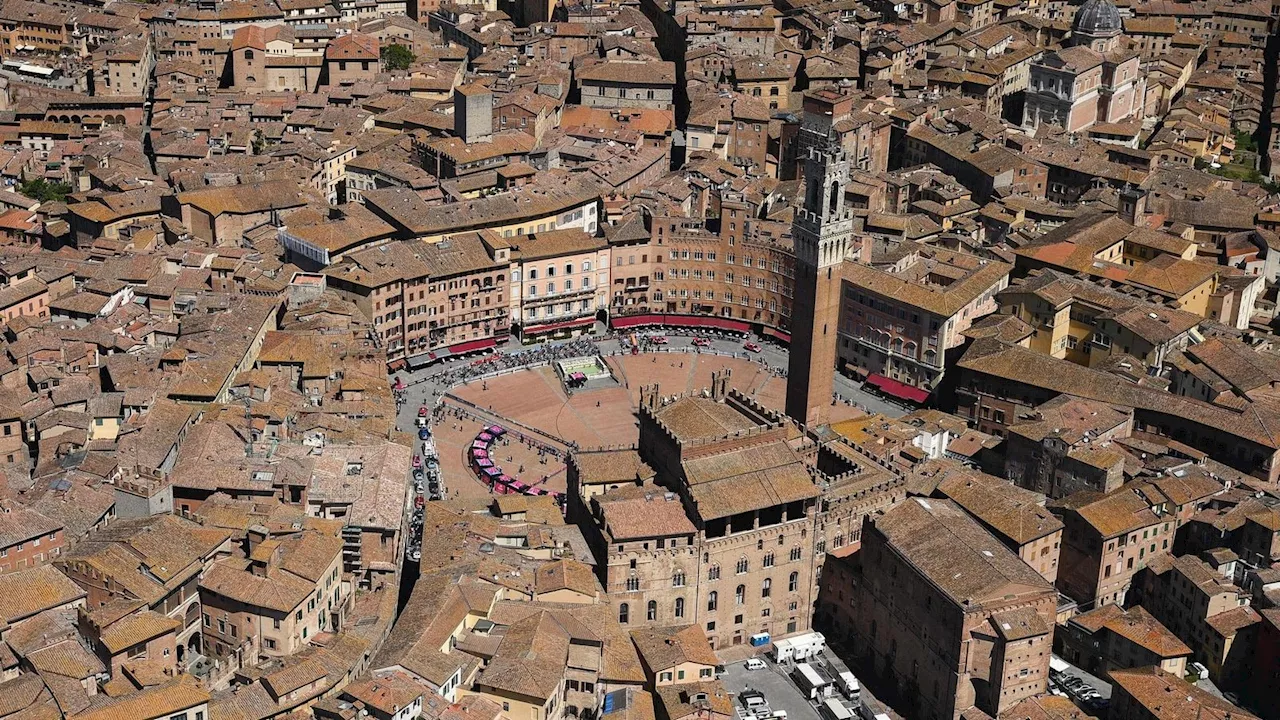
<point>823,236</point>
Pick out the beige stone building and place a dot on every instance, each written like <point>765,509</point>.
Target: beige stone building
<point>269,59</point>
<point>1110,537</point>
<point>1205,610</point>
<point>272,603</point>
<point>121,637</point>
<point>559,281</point>
<point>901,313</point>
<point>351,58</point>
<point>729,534</point>
<point>1112,638</point>
<point>675,655</point>
<point>429,299</point>
<point>153,562</point>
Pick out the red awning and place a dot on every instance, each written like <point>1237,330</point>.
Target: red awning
<point>691,321</point>
<point>901,390</point>
<point>626,321</point>
<point>721,323</point>
<point>472,346</point>
<point>580,322</point>
<point>783,336</point>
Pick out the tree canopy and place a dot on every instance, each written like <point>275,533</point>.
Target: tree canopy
<point>397,57</point>
<point>45,191</point>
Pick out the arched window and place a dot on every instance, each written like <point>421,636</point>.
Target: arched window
<point>713,572</point>
<point>760,544</point>
<point>713,601</point>
<point>835,198</point>
<point>679,607</point>
<point>653,610</point>
<point>248,54</point>
<point>766,587</point>
<point>740,594</point>
<point>742,565</point>
<point>793,582</point>
<point>624,613</point>
<point>677,579</point>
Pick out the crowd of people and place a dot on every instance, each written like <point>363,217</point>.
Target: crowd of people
<point>578,347</point>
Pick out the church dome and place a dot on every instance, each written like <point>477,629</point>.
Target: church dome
<point>1097,18</point>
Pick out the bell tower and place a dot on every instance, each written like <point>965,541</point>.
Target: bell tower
<point>823,234</point>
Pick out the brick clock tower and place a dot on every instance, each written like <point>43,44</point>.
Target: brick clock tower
<point>823,235</point>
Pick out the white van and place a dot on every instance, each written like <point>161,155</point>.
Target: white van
<point>849,686</point>
<point>755,664</point>
<point>754,702</point>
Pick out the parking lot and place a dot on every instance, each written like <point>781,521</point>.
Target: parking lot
<point>782,692</point>
<point>1074,682</point>
<point>778,688</point>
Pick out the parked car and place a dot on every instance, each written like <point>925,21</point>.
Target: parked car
<point>701,342</point>
<point>424,433</point>
<point>751,347</point>
<point>422,411</point>
<point>755,664</point>
<point>753,700</point>
<point>658,339</point>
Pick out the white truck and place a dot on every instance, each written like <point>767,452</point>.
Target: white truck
<point>813,683</point>
<point>849,686</point>
<point>798,648</point>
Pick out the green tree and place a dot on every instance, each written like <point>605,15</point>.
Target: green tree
<point>397,57</point>
<point>1245,142</point>
<point>45,191</point>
